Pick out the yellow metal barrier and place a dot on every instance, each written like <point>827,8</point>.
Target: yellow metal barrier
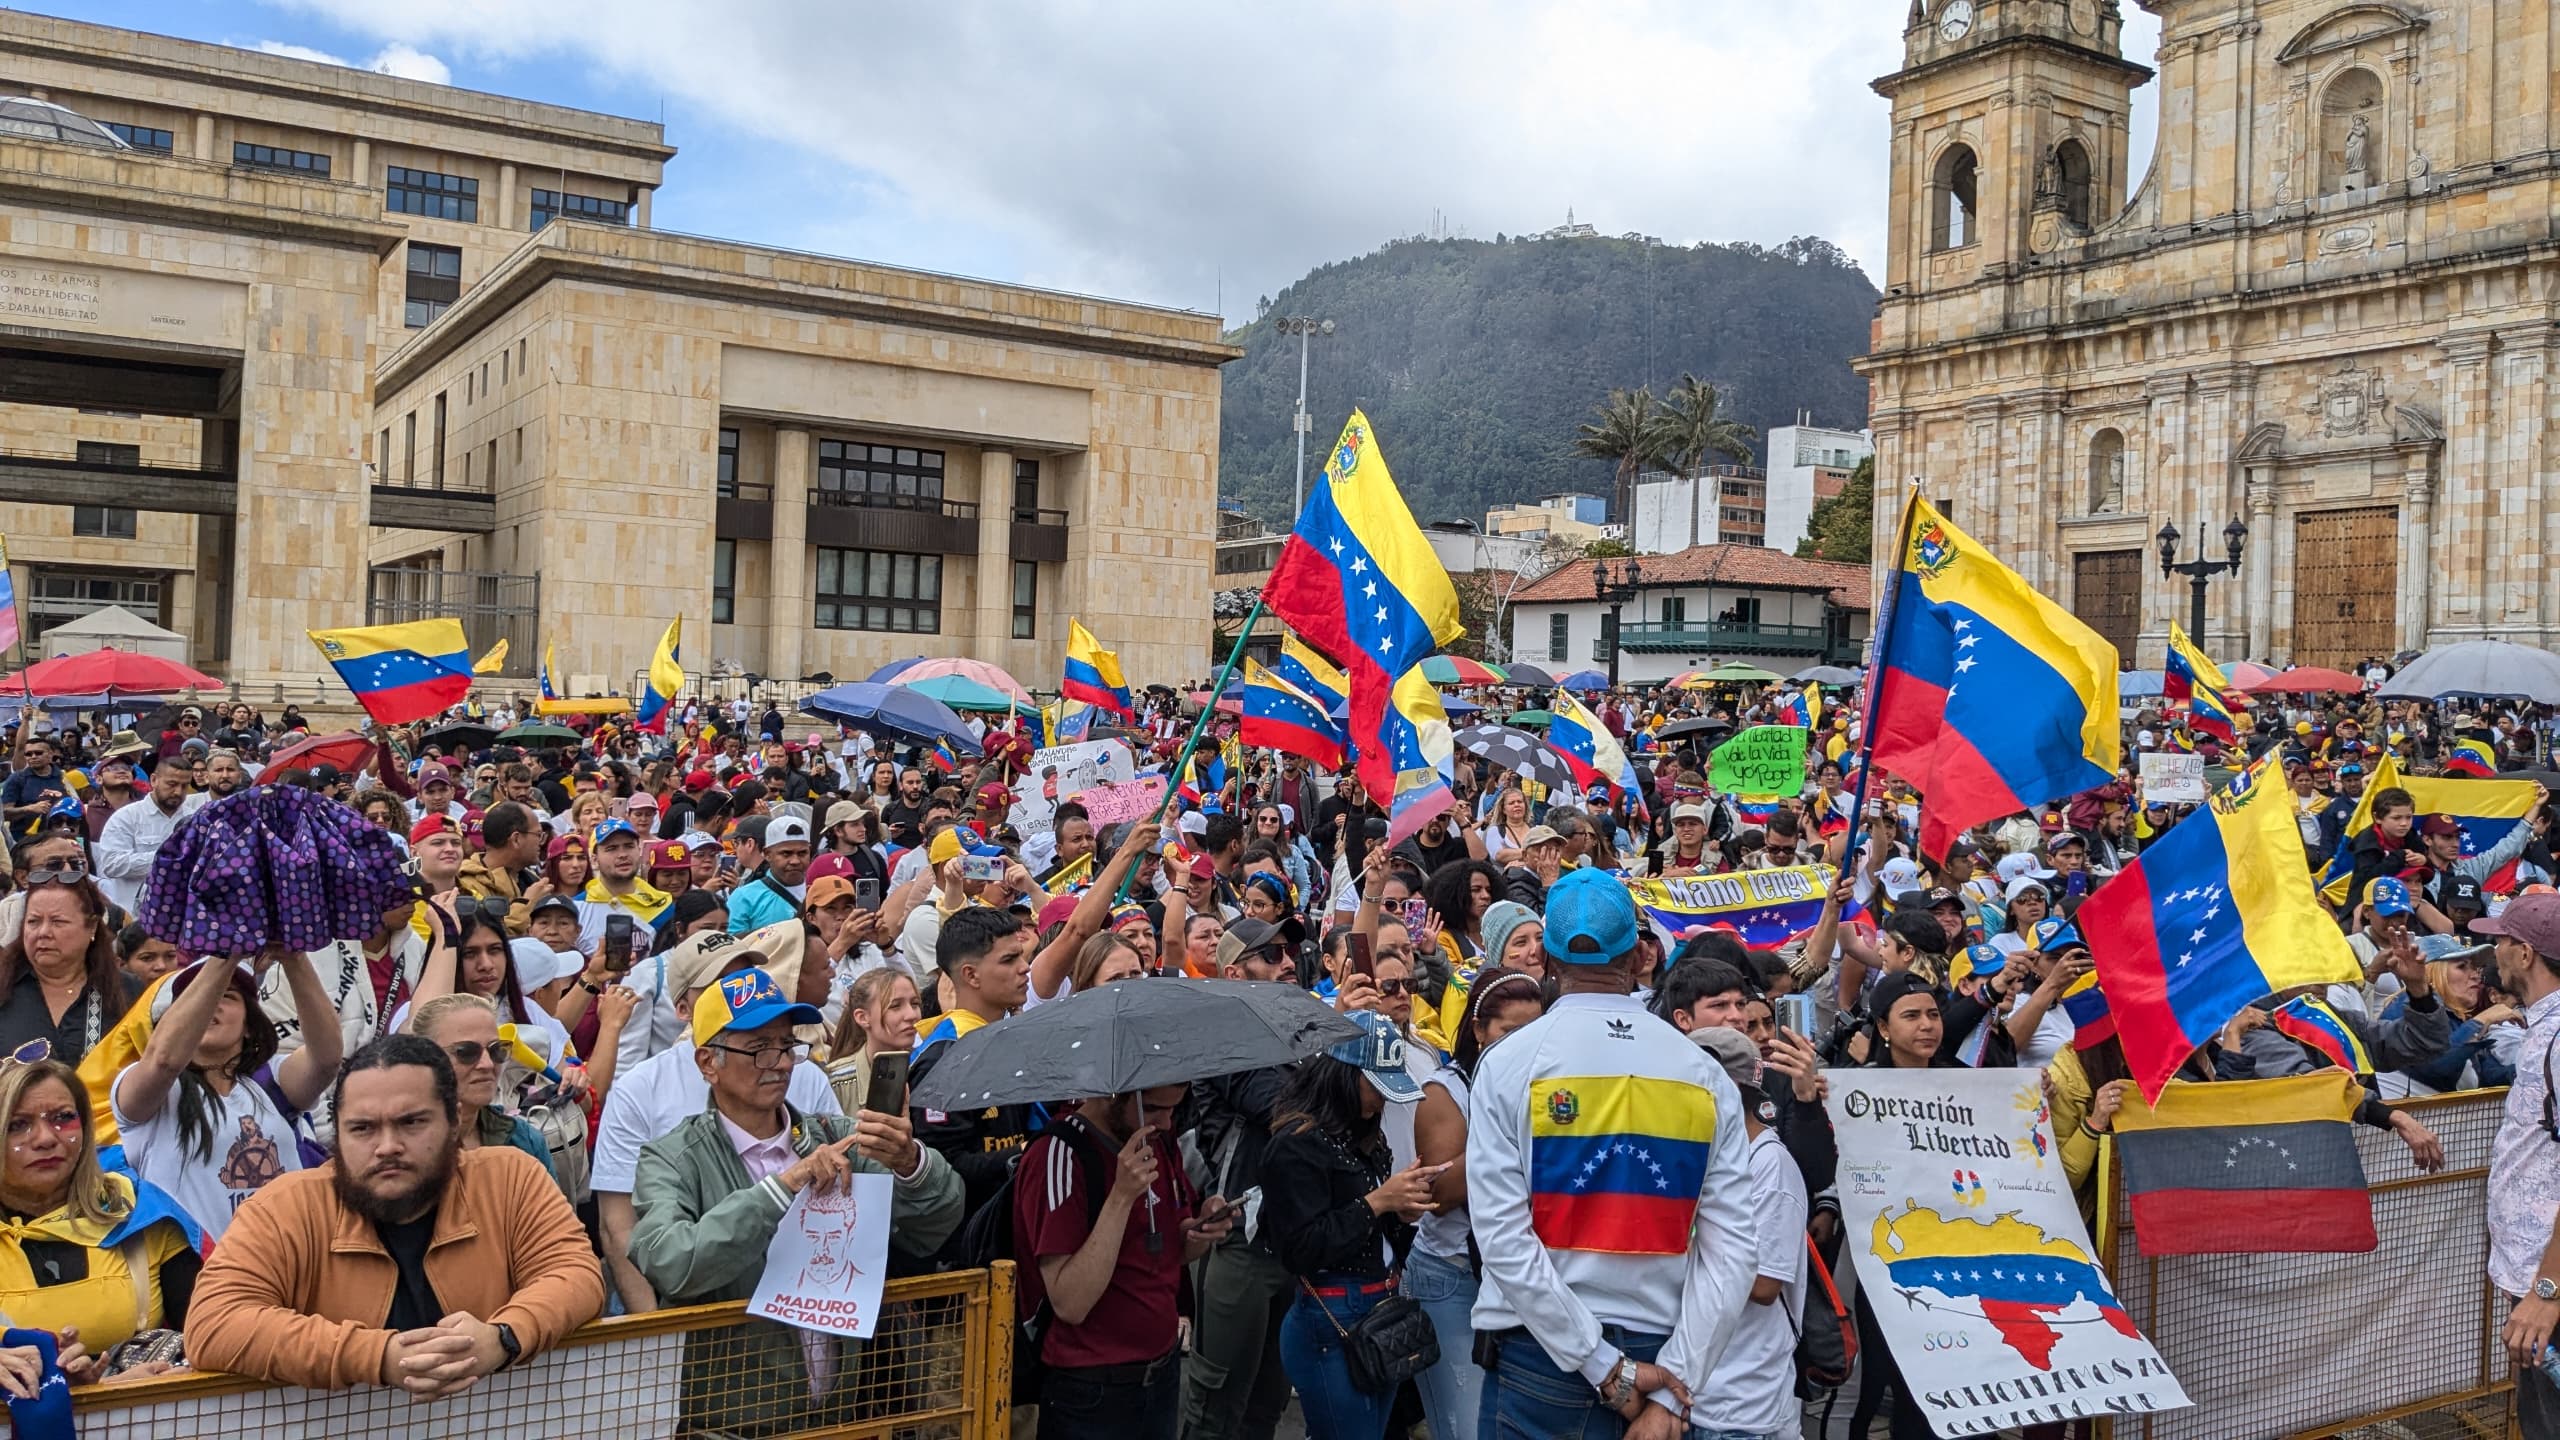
<point>2400,1344</point>
<point>939,1368</point>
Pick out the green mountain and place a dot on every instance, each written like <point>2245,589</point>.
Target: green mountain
<point>1477,360</point>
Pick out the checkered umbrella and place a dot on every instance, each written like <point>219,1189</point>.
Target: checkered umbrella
<point>1519,752</point>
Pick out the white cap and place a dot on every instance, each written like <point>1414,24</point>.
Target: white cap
<point>2008,944</point>
<point>1692,811</point>
<point>2022,885</point>
<point>787,830</point>
<point>537,964</point>
<point>2019,865</point>
<point>1193,822</point>
<point>1899,874</point>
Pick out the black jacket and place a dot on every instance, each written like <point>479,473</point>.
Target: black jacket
<point>982,1145</point>
<point>1315,1207</point>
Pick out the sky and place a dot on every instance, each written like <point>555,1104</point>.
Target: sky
<point>1169,151</point>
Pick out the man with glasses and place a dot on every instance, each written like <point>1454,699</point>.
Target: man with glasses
<point>2524,1160</point>
<point>132,837</point>
<point>30,792</point>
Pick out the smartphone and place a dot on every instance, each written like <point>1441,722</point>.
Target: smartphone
<point>617,942</point>
<point>978,869</point>
<point>885,1092</point>
<point>728,863</point>
<point>1363,960</point>
<point>1795,1012</point>
<point>866,893</point>
<point>1414,908</point>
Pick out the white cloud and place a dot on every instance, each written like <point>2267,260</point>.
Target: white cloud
<point>1166,150</point>
<point>393,59</point>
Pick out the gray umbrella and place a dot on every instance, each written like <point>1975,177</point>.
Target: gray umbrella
<point>2474,668</point>
<point>1526,675</point>
<point>1129,1036</point>
<point>1519,752</point>
<point>1829,675</point>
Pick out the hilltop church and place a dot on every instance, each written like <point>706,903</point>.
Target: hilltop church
<point>2326,311</point>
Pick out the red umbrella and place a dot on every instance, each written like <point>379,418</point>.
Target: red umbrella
<point>2304,679</point>
<point>348,751</point>
<point>128,671</point>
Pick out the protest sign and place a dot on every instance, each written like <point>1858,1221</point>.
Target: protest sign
<point>1971,1253</point>
<point>1135,800</point>
<point>1064,772</point>
<point>1765,908</point>
<point>2178,779</point>
<point>1763,760</point>
<point>829,1259</point>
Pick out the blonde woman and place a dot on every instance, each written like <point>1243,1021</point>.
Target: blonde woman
<point>465,1028</point>
<point>880,1015</point>
<point>1507,832</point>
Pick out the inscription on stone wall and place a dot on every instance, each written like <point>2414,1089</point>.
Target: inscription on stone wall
<point>44,295</point>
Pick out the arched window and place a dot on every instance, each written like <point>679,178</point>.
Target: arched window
<point>2351,132</point>
<point>2106,472</point>
<point>2071,162</point>
<point>1951,223</point>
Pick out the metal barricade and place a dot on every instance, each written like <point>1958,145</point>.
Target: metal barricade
<point>939,1368</point>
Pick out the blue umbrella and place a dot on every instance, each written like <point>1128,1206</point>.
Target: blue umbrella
<point>893,670</point>
<point>1585,680</point>
<point>894,710</point>
<point>1456,706</point>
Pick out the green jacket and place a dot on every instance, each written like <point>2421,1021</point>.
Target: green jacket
<point>700,1235</point>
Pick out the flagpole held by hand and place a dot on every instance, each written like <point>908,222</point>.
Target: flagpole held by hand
<point>1881,637</point>
<point>1199,727</point>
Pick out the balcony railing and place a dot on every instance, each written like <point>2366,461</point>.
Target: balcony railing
<point>1702,636</point>
<point>892,500</point>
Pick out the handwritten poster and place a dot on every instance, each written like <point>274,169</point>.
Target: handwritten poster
<point>1763,760</point>
<point>1066,772</point>
<point>2174,778</point>
<point>1111,804</point>
<point>1971,1251</point>
<point>829,1259</point>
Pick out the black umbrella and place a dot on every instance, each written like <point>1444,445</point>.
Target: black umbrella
<point>461,737</point>
<point>1519,752</point>
<point>1525,674</point>
<point>1132,1035</point>
<point>1698,725</point>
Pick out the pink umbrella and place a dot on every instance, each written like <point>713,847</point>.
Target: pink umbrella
<point>2248,672</point>
<point>978,670</point>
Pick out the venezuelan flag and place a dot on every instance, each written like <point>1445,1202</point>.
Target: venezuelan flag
<point>490,663</point>
<point>551,689</point>
<point>945,758</point>
<point>1800,709</point>
<point>2212,915</point>
<point>664,681</point>
<point>1279,715</point>
<point>2193,681</point>
<point>2086,1003</point>
<point>1589,750</point>
<point>2309,1019</point>
<point>1093,673</point>
<point>1616,1162</point>
<point>1359,582</point>
<point>1989,697</point>
<point>2471,759</point>
<point>2487,810</point>
<point>403,672</point>
<point>1756,811</point>
<point>1314,675</point>
<point>2020,1275</point>
<point>2249,1166</point>
<point>1421,753</point>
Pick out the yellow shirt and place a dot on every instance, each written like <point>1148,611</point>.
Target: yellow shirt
<point>108,1307</point>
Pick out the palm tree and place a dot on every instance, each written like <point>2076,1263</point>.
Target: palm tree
<point>1628,433</point>
<point>1694,432</point>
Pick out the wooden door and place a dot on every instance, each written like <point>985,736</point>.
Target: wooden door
<point>2346,585</point>
<point>2106,593</point>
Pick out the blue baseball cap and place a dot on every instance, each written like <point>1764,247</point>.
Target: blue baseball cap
<point>1591,919</point>
<point>608,828</point>
<point>1378,1052</point>
<point>746,1000</point>
<point>1976,960</point>
<point>2053,936</point>
<point>2387,896</point>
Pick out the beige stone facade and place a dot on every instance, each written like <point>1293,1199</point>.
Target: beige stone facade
<point>2326,311</point>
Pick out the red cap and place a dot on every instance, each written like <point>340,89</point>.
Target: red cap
<point>698,780</point>
<point>1203,868</point>
<point>994,794</point>
<point>669,855</point>
<point>828,864</point>
<point>1056,911</point>
<point>2440,825</point>
<point>433,825</point>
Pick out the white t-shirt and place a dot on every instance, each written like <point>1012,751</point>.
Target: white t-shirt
<point>652,1098</point>
<point>1752,1388</point>
<point>252,1144</point>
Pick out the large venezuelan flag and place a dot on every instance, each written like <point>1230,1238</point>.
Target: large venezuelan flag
<point>1279,715</point>
<point>1316,677</point>
<point>1093,673</point>
<point>2212,915</point>
<point>1359,582</point>
<point>1989,697</point>
<point>1616,1162</point>
<point>1589,750</point>
<point>2196,684</point>
<point>401,672</point>
<point>2487,810</point>
<point>2254,1166</point>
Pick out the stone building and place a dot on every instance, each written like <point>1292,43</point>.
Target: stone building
<point>2326,311</point>
<point>309,346</point>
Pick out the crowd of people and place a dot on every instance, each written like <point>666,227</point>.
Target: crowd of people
<point>633,1001</point>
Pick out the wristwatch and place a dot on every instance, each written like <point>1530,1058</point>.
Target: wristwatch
<point>1620,1388</point>
<point>507,1342</point>
<point>2546,1288</point>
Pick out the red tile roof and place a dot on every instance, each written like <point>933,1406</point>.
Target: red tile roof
<point>1741,566</point>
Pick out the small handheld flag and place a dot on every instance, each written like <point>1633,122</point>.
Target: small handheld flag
<point>489,664</point>
<point>1280,716</point>
<point>552,689</point>
<point>2309,1019</point>
<point>1316,677</point>
<point>1093,673</point>
<point>664,682</point>
<point>8,604</point>
<point>401,672</point>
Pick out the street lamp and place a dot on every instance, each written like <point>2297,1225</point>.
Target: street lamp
<point>1306,328</point>
<point>1614,583</point>
<point>2199,570</point>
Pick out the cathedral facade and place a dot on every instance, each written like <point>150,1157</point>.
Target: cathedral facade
<point>2325,312</point>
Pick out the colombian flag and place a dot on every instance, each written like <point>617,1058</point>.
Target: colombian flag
<point>2487,810</point>
<point>2255,1166</point>
<point>2472,759</point>
<point>1314,675</point>
<point>1589,750</point>
<point>1279,715</point>
<point>1989,697</point>
<point>1616,1162</point>
<point>2210,916</point>
<point>1361,584</point>
<point>665,679</point>
<point>404,672</point>
<point>1093,673</point>
<point>1422,753</point>
<point>2193,681</point>
<point>2311,1021</point>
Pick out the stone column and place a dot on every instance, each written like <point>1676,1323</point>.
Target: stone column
<point>506,198</point>
<point>2468,437</point>
<point>2417,553</point>
<point>640,210</point>
<point>2261,563</point>
<point>204,137</point>
<point>995,556</point>
<point>787,612</point>
<point>2168,486</point>
<point>2516,557</point>
<point>2222,396</point>
<point>362,171</point>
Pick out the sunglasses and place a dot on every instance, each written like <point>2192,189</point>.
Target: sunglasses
<point>1395,987</point>
<point>469,1053</point>
<point>60,872</point>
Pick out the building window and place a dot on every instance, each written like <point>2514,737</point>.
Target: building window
<point>1951,195</point>
<point>438,197</point>
<point>435,282</point>
<point>409,448</point>
<point>1746,611</point>
<point>2071,170</point>
<point>1675,611</point>
<point>1559,636</point>
<point>276,157</point>
<point>438,441</point>
<point>1026,599</point>
<point>724,581</point>
<point>876,590</point>
<point>729,464</point>
<point>1026,492</point>
<point>143,137</point>
<point>887,476</point>
<point>108,521</point>
<point>550,205</point>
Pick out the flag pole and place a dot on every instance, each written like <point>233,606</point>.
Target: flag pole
<point>1881,640</point>
<point>1199,727</point>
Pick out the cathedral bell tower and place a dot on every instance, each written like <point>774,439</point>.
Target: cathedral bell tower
<point>2009,137</point>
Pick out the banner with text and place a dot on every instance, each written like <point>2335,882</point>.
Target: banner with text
<point>829,1260</point>
<point>1765,908</point>
<point>2175,778</point>
<point>1064,772</point>
<point>1970,1249</point>
<point>1763,760</point>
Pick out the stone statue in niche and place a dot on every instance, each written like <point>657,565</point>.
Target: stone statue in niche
<point>2359,136</point>
<point>2110,485</point>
